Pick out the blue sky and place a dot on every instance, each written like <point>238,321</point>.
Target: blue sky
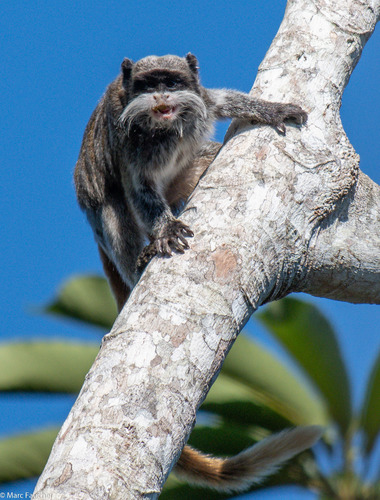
<point>57,58</point>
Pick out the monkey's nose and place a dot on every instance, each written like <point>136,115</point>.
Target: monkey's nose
<point>161,97</point>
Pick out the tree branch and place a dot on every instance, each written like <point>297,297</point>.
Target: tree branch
<point>343,258</point>
<point>262,217</point>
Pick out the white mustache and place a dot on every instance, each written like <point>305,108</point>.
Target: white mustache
<point>188,106</point>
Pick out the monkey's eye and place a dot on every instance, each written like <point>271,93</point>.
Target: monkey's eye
<point>173,83</point>
<point>145,85</point>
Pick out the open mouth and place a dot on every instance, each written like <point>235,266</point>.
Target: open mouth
<point>163,111</point>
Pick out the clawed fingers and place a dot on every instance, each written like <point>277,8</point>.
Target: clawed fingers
<point>182,239</point>
<point>300,117</point>
<point>145,256</point>
<point>187,231</point>
<point>173,239</point>
<point>281,128</point>
<point>293,113</point>
<point>297,114</point>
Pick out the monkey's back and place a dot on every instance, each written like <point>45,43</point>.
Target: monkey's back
<point>96,174</point>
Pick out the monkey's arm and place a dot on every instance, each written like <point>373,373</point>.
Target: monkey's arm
<point>179,190</point>
<point>233,104</point>
<point>165,231</point>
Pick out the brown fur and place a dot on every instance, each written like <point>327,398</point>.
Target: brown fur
<point>120,290</point>
<point>250,466</point>
<point>176,194</point>
<point>184,183</point>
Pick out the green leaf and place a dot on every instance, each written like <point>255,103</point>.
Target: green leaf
<point>45,366</point>
<point>25,455</point>
<point>224,440</point>
<point>274,384</point>
<point>311,340</point>
<point>370,415</point>
<point>86,298</point>
<point>237,402</point>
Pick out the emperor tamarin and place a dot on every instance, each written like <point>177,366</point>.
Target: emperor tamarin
<point>142,154</point>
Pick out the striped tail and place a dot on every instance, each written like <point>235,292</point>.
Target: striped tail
<point>239,472</point>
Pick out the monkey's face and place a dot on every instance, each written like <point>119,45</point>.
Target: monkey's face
<point>162,99</point>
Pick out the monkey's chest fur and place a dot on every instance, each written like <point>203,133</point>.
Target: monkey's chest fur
<point>158,156</point>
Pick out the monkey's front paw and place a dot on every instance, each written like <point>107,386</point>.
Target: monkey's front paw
<point>172,238</point>
<point>289,112</point>
<point>296,113</point>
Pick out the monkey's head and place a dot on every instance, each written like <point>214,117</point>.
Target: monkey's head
<point>162,92</point>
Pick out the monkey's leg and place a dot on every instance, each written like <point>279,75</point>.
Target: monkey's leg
<point>120,290</point>
<point>120,242</point>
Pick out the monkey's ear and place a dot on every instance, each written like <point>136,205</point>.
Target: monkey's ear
<point>126,68</point>
<point>192,61</point>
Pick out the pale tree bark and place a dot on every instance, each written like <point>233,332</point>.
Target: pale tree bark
<point>274,214</point>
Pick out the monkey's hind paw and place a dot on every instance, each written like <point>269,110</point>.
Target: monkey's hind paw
<point>173,238</point>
